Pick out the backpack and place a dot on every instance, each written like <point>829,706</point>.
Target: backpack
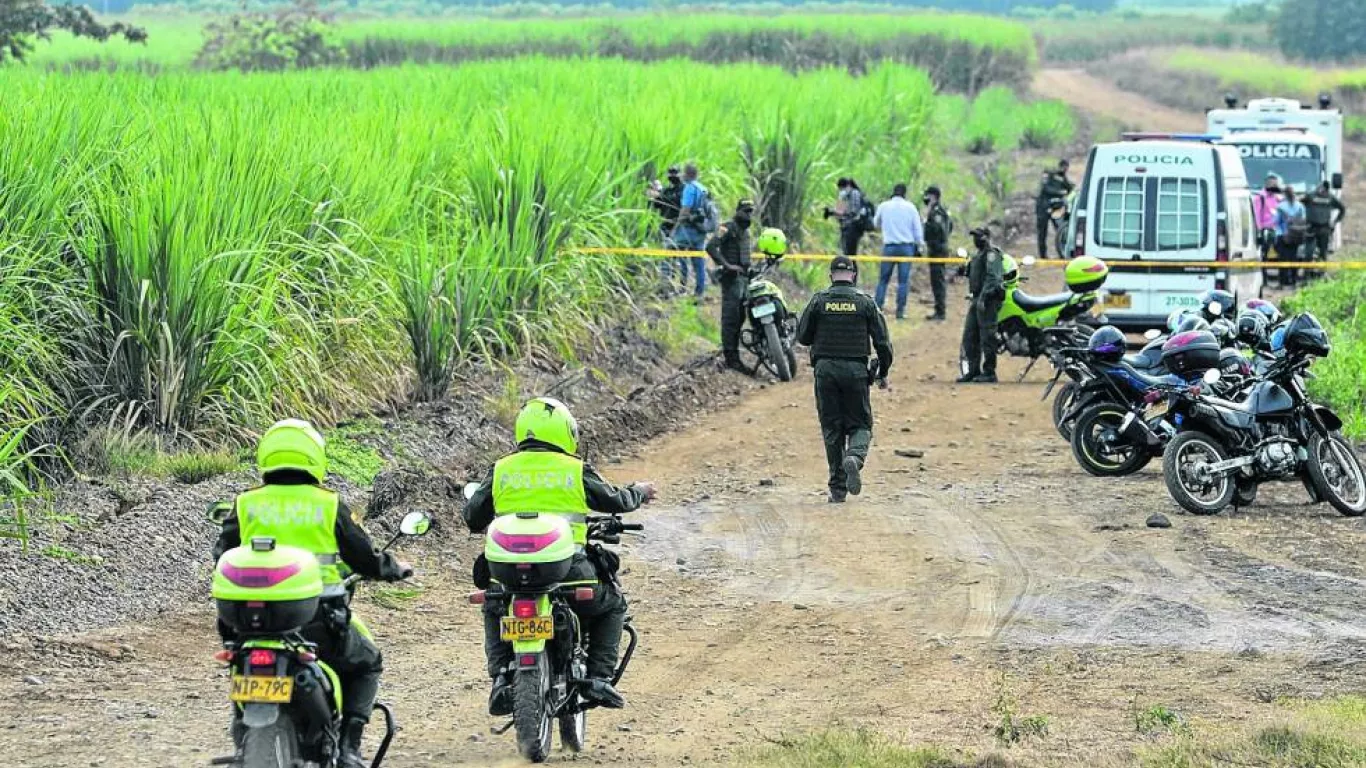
<point>866,212</point>
<point>1296,230</point>
<point>706,217</point>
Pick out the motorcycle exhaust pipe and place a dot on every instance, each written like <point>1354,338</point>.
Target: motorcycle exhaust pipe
<point>310,701</point>
<point>1137,432</point>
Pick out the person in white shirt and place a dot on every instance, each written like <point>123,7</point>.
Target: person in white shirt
<point>903,234</point>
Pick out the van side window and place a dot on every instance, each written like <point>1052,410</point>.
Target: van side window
<point>1121,212</point>
<point>1181,214</point>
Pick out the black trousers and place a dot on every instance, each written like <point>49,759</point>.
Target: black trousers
<point>1042,221</point>
<point>732,312</point>
<point>1288,253</point>
<point>849,239</point>
<point>601,621</point>
<point>845,412</point>
<point>979,338</point>
<point>937,276</point>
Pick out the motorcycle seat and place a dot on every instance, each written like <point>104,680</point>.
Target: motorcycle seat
<point>1141,362</point>
<point>1150,377</point>
<point>1039,303</point>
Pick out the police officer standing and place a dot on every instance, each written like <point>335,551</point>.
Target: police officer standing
<point>838,324</point>
<point>938,227</point>
<point>1055,185</point>
<point>730,249</point>
<point>986,290</point>
<point>1319,206</point>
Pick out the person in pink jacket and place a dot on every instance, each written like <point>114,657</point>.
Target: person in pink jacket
<point>1264,209</point>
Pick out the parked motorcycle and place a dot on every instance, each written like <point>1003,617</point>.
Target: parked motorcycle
<point>772,328</point>
<point>1272,432</point>
<point>1085,389</point>
<point>529,556</point>
<point>286,701</point>
<point>1060,210</point>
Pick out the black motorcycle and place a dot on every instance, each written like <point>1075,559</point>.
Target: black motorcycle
<point>1226,448</point>
<point>1087,386</point>
<point>772,329</point>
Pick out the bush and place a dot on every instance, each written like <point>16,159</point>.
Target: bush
<point>294,37</point>
<point>993,122</point>
<point>1046,125</point>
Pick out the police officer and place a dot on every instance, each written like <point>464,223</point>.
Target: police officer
<point>1055,184</point>
<point>938,227</point>
<point>986,290</point>
<point>292,459</point>
<point>837,325</point>
<point>1319,206</point>
<point>730,249</point>
<point>547,443</point>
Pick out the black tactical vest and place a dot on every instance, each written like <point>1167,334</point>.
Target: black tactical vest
<point>842,314</point>
<point>1318,209</point>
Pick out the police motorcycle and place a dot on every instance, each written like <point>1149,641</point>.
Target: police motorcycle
<point>1060,211</point>
<point>1025,323</point>
<point>1271,431</point>
<point>772,328</point>
<point>287,702</point>
<point>529,555</point>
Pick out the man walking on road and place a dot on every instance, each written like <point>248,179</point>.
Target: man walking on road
<point>938,227</point>
<point>842,326</point>
<point>1055,185</point>
<point>986,290</point>
<point>730,249</point>
<point>902,235</point>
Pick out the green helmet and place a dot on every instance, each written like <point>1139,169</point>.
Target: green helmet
<point>293,444</point>
<point>772,241</point>
<point>547,420</point>
<point>1010,271</point>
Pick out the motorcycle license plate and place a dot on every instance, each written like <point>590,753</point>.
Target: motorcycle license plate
<point>524,630</point>
<point>261,690</point>
<point>764,310</point>
<point>1119,301</point>
<point>1157,409</point>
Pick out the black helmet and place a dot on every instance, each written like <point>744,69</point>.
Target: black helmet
<point>846,265</point>
<point>1225,331</point>
<point>1304,335</point>
<point>1273,315</point>
<point>1225,301</point>
<point>1107,343</point>
<point>1232,363</point>
<point>1191,322</point>
<point>1252,327</point>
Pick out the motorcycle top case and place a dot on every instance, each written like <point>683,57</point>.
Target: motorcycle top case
<point>1191,352</point>
<point>1085,273</point>
<point>529,551</point>
<point>269,591</point>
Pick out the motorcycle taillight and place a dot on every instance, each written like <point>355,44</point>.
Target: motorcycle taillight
<point>261,657</point>
<point>524,609</point>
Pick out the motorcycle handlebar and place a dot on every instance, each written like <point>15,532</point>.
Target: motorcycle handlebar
<point>632,527</point>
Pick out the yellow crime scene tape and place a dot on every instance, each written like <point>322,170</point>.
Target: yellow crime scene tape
<point>1123,266</point>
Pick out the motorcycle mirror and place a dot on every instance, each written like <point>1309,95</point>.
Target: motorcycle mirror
<point>1215,308</point>
<point>962,253</point>
<point>1028,261</point>
<point>1151,334</point>
<point>218,512</point>
<point>1211,376</point>
<point>469,490</point>
<point>415,524</point>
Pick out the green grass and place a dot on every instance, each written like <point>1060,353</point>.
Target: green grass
<point>1339,381</point>
<point>1102,37</point>
<point>192,468</point>
<point>858,749</point>
<point>57,552</point>
<point>1323,734</point>
<point>395,597</point>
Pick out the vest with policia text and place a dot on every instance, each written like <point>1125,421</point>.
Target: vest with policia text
<point>544,482</point>
<point>303,516</point>
<point>842,313</point>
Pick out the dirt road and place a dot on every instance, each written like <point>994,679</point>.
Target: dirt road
<point>1102,98</point>
<point>988,578</point>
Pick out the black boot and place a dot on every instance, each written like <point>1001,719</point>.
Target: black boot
<point>500,698</point>
<point>601,692</point>
<point>353,730</point>
<point>853,479</point>
<point>734,363</point>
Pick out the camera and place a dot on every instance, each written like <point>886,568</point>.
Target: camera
<point>826,212</point>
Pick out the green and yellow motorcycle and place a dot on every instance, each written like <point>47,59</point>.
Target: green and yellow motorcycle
<point>772,328</point>
<point>529,556</point>
<point>286,701</point>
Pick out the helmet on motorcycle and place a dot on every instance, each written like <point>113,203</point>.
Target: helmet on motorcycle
<point>1305,335</point>
<point>1085,273</point>
<point>843,270</point>
<point>1010,271</point>
<point>1175,318</point>
<point>1252,327</point>
<point>1273,315</point>
<point>1232,363</point>
<point>772,242</point>
<point>1107,343</point>
<point>1216,297</point>
<point>293,444</point>
<point>1278,338</point>
<point>1225,331</point>
<point>547,420</point>
<point>1191,322</point>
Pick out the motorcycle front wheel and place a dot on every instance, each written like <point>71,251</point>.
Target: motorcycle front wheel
<point>776,359</point>
<point>1336,472</point>
<point>1197,491</point>
<point>1100,449</point>
<point>530,714</point>
<point>272,746</point>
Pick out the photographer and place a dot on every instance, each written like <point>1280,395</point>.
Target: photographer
<point>667,201</point>
<point>849,211</point>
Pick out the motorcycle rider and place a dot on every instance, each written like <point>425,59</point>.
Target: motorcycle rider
<point>986,290</point>
<point>546,476</point>
<point>292,506</point>
<point>730,249</point>
<point>837,325</point>
<point>1054,184</point>
<point>938,227</point>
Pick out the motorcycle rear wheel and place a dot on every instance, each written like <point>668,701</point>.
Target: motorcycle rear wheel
<point>273,746</point>
<point>1089,450</point>
<point>530,716</point>
<point>777,360</point>
<point>1343,484</point>
<point>1197,501</point>
<point>1061,402</point>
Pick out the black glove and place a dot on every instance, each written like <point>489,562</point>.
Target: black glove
<point>873,368</point>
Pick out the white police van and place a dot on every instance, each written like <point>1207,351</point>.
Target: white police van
<point>1152,199</point>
